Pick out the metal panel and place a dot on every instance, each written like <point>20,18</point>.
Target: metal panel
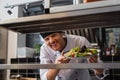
<point>92,7</point>
<point>61,66</point>
<point>20,2</point>
<point>106,15</point>
<point>62,21</point>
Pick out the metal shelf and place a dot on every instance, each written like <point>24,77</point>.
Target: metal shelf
<point>61,66</point>
<point>87,15</point>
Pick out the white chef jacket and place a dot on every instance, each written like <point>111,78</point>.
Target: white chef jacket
<point>47,55</point>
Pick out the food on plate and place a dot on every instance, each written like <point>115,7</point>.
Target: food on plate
<point>81,52</point>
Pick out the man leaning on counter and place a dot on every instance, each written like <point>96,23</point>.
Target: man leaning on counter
<point>55,44</point>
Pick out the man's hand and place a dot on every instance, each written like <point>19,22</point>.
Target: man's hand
<point>52,73</point>
<point>94,59</point>
<point>62,59</point>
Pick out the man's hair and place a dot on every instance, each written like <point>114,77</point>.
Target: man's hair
<point>45,34</point>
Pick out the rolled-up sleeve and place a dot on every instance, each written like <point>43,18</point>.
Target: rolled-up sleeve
<point>103,75</point>
<point>105,72</point>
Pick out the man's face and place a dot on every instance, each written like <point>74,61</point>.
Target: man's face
<point>55,41</point>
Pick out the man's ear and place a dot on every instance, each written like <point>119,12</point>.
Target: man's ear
<point>63,35</point>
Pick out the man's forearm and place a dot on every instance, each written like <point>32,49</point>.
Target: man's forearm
<point>98,71</point>
<point>52,73</point>
<point>101,73</point>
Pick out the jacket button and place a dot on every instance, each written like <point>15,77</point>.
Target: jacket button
<point>60,78</point>
<point>76,72</point>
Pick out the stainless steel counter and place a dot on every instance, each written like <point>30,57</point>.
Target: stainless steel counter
<point>61,66</point>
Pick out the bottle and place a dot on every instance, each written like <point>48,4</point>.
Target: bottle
<point>107,52</point>
<point>112,49</point>
<point>117,47</point>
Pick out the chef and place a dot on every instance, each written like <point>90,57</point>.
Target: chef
<point>52,51</point>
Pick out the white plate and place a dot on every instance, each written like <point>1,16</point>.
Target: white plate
<point>84,57</point>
